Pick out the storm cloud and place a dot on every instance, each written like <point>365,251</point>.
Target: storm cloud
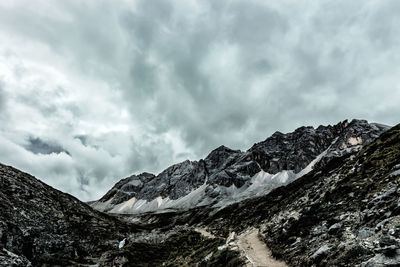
<point>93,91</point>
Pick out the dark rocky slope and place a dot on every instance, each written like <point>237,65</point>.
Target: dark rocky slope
<point>43,225</point>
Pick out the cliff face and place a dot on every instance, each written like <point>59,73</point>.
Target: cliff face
<point>227,175</point>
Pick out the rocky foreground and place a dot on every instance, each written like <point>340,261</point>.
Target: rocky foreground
<point>344,212</point>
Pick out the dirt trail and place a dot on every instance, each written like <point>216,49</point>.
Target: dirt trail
<point>204,232</point>
<point>251,247</point>
<point>256,251</point>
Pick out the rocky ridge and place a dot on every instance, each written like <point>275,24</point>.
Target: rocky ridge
<point>226,176</point>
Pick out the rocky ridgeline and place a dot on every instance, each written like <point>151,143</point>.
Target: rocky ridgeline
<point>224,168</point>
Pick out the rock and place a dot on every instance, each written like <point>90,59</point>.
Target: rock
<point>364,233</point>
<point>335,228</point>
<point>389,250</point>
<point>387,240</point>
<point>385,194</point>
<point>387,214</point>
<point>321,252</point>
<point>381,224</point>
<point>208,257</point>
<point>383,260</point>
<point>231,237</point>
<point>7,258</point>
<point>320,229</point>
<point>122,243</point>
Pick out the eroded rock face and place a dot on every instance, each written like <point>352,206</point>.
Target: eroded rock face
<point>124,189</point>
<point>294,151</point>
<point>226,173</point>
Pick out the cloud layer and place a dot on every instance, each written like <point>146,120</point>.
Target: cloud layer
<point>93,91</point>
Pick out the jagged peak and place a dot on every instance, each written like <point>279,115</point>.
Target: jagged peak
<point>277,133</point>
<point>146,174</point>
<point>223,148</point>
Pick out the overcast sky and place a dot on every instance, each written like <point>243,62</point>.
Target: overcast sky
<point>93,91</point>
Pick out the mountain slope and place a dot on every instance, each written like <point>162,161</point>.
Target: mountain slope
<point>226,176</point>
<point>41,226</point>
<point>344,214</point>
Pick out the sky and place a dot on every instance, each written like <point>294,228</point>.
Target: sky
<point>94,91</point>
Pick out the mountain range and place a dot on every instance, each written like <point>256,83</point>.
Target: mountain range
<point>226,176</point>
<point>314,197</point>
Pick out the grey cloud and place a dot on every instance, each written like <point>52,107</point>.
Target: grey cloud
<point>254,24</point>
<point>314,62</point>
<point>182,50</point>
<point>149,156</point>
<point>38,146</point>
<point>82,138</point>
